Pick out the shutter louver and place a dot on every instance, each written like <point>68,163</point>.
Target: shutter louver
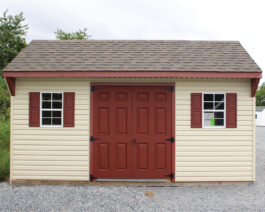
<point>69,109</point>
<point>231,110</point>
<point>34,109</point>
<point>196,110</point>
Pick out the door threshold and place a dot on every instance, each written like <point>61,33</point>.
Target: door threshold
<point>133,180</point>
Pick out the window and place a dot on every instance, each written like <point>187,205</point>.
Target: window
<point>51,109</point>
<point>213,110</point>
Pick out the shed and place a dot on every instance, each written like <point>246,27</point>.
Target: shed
<point>101,110</point>
<point>260,116</point>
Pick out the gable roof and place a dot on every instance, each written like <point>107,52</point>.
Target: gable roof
<point>133,55</point>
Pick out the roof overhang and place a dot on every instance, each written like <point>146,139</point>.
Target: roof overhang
<point>145,74</point>
<point>254,76</point>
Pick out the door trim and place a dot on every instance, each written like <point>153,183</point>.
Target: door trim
<point>132,84</point>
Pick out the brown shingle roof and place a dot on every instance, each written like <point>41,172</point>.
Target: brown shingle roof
<point>133,55</point>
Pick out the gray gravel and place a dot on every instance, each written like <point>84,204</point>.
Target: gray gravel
<point>110,198</point>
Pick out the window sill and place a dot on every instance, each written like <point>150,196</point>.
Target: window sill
<point>213,127</point>
<point>51,126</point>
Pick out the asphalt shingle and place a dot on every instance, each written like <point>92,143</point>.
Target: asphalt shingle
<point>133,55</point>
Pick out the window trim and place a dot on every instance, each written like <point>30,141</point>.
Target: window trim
<point>224,110</point>
<point>62,110</point>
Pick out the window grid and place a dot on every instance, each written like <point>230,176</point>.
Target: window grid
<point>51,109</point>
<point>214,110</point>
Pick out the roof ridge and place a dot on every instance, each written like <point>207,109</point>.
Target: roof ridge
<point>140,40</point>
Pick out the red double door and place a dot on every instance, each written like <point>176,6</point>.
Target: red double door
<point>131,130</point>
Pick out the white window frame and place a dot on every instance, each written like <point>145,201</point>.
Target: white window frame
<point>45,109</point>
<point>224,110</point>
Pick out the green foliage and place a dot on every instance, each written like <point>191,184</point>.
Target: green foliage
<point>4,101</point>
<point>260,95</point>
<point>12,41</point>
<point>4,149</point>
<point>78,35</point>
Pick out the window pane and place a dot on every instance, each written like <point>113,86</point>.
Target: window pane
<point>46,105</point>
<point>219,115</point>
<point>46,114</point>
<point>56,114</point>
<point>208,105</point>
<point>208,97</point>
<point>56,96</point>
<point>57,105</point>
<point>208,119</point>
<point>219,97</point>
<point>51,101</point>
<point>213,102</point>
<point>219,105</point>
<point>207,123</point>
<point>46,96</point>
<point>46,121</point>
<point>219,122</point>
<point>208,115</point>
<point>56,121</point>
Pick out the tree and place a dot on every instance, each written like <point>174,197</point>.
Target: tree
<point>12,41</point>
<point>78,35</point>
<point>260,95</point>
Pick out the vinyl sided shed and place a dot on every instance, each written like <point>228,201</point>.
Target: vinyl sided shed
<point>99,110</point>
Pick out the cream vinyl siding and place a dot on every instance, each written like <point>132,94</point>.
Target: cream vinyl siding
<point>45,152</point>
<point>200,154</point>
<point>223,154</point>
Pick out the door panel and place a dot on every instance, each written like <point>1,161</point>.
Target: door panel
<point>151,126</point>
<point>121,121</point>
<point>103,121</point>
<point>161,121</point>
<point>121,113</point>
<point>112,111</point>
<point>161,156</point>
<point>103,156</point>
<point>143,121</point>
<point>121,156</point>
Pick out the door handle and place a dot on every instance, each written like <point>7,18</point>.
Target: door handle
<point>93,139</point>
<point>134,140</point>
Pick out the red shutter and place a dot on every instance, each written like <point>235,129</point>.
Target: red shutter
<point>231,110</point>
<point>196,110</point>
<point>34,109</point>
<point>69,109</point>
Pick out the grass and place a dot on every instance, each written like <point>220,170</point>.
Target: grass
<point>4,149</point>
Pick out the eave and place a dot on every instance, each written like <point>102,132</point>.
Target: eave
<point>145,74</point>
<point>254,76</point>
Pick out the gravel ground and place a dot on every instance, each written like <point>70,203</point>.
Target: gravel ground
<point>109,198</point>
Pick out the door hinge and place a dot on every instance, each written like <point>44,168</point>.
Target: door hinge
<point>92,178</point>
<point>93,88</point>
<point>172,139</point>
<point>170,175</point>
<point>93,139</point>
<point>171,88</point>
